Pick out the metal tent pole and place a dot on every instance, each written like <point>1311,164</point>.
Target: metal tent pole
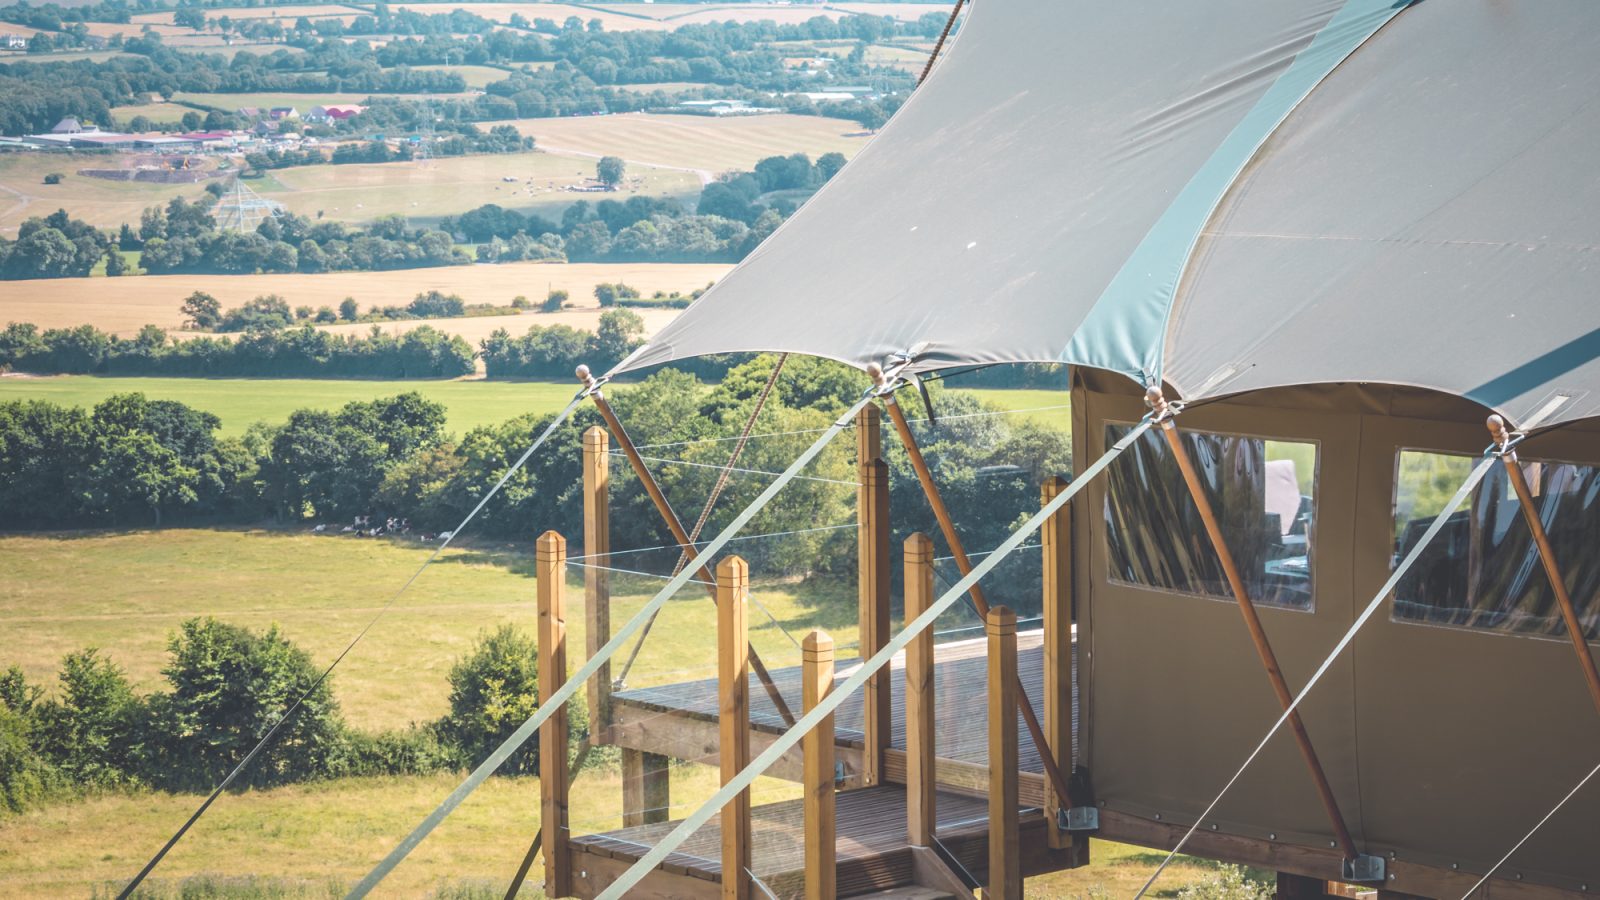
<point>1547,555</point>
<point>947,525</point>
<point>1164,417</point>
<point>675,525</point>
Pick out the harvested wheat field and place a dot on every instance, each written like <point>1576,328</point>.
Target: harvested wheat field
<point>697,143</point>
<point>123,305</point>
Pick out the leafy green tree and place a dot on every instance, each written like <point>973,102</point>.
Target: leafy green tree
<point>53,178</point>
<point>620,332</point>
<point>94,732</point>
<point>229,685</point>
<point>829,164</point>
<point>494,688</point>
<point>201,311</point>
<point>554,301</point>
<point>610,170</point>
<point>349,310</point>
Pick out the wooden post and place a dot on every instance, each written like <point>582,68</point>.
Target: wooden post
<point>820,838</point>
<point>596,580</point>
<point>872,534</point>
<point>1547,555</point>
<point>921,783</point>
<point>551,570</point>
<point>1252,622</point>
<point>1301,887</point>
<point>1005,857</point>
<point>733,671</point>
<point>646,788</point>
<point>1056,539</point>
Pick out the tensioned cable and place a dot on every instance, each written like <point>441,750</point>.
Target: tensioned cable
<point>866,670</point>
<point>1437,526</point>
<point>555,701</point>
<point>272,732</point>
<point>932,57</point>
<point>1557,808</point>
<point>723,468</point>
<point>767,434</point>
<point>697,544</point>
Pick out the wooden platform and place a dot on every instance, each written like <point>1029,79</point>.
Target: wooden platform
<point>679,720</point>
<point>872,851</point>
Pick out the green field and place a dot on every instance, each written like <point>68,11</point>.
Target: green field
<point>476,77</point>
<point>241,401</point>
<point>98,201</point>
<point>231,102</point>
<point>159,113</point>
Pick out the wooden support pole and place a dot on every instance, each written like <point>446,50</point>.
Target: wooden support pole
<point>733,706</point>
<point>1056,540</point>
<point>820,819</point>
<point>872,581</point>
<point>1054,777</point>
<point>596,580</point>
<point>1547,555</point>
<point>554,781</point>
<point>646,788</point>
<point>921,782</point>
<point>1258,634</point>
<point>679,533</point>
<point>1005,855</point>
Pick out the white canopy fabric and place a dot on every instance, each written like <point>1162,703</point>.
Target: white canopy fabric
<point>1226,196</point>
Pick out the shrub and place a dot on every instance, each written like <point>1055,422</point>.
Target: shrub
<point>520,302</point>
<point>493,690</point>
<point>1229,882</point>
<point>54,178</point>
<point>229,685</point>
<point>554,301</point>
<point>93,733</point>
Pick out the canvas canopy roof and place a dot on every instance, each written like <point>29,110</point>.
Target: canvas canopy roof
<point>1224,196</point>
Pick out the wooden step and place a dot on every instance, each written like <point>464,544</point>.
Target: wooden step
<point>910,892</point>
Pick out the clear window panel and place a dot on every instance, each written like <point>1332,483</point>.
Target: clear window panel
<point>1263,492</point>
<point>1483,570</point>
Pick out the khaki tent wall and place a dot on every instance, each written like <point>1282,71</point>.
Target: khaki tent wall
<point>1443,745</point>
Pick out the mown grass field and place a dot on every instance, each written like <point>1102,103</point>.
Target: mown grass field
<point>98,201</point>
<point>700,143</point>
<point>126,304</point>
<point>158,113</point>
<point>475,76</point>
<point>470,403</point>
<point>359,192</point>
<point>232,102</point>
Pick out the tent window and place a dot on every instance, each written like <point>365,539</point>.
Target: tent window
<point>1483,570</point>
<point>1262,492</point>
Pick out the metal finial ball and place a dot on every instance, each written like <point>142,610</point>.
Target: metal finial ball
<point>583,373</point>
<point>875,372</point>
<point>1497,428</point>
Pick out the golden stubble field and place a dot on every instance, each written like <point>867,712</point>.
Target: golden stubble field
<point>696,143</point>
<point>123,305</point>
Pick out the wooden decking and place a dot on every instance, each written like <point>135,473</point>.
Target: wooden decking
<point>872,852</point>
<point>960,691</point>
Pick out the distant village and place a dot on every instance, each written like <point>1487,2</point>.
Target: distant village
<point>266,133</point>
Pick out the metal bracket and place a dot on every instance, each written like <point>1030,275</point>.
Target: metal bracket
<point>1365,867</point>
<point>838,772</point>
<point>1078,818</point>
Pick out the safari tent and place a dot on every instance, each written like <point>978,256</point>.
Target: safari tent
<point>1294,614</point>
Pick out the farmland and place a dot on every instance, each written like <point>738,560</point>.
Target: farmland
<point>98,201</point>
<point>157,113</point>
<point>231,102</point>
<point>124,306</point>
<point>700,143</point>
<point>439,187</point>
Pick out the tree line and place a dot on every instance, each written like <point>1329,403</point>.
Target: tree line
<point>134,461</point>
<point>225,687</point>
<point>262,352</point>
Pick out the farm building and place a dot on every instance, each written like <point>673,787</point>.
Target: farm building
<point>336,112</point>
<point>1319,594</point>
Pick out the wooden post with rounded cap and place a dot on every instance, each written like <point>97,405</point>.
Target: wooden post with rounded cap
<point>550,563</point>
<point>921,787</point>
<point>1547,555</point>
<point>872,586</point>
<point>1005,855</point>
<point>817,747</point>
<point>596,580</point>
<point>733,706</point>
